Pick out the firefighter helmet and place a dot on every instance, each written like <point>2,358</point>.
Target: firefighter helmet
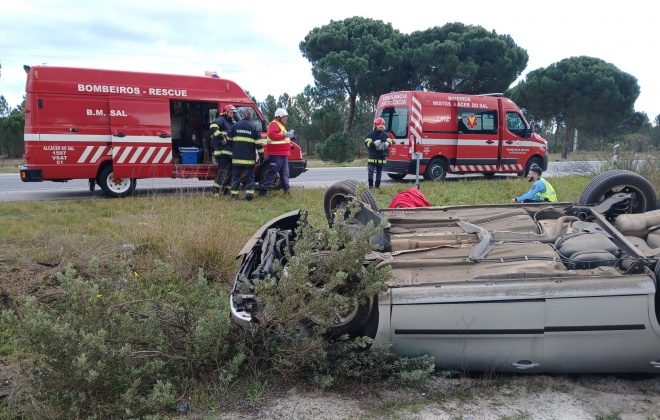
<point>229,109</point>
<point>280,112</point>
<point>379,121</point>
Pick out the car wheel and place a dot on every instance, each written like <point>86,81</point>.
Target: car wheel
<point>621,181</point>
<point>349,320</point>
<point>277,182</point>
<point>436,170</point>
<point>115,187</point>
<point>397,177</point>
<point>530,163</point>
<point>341,193</point>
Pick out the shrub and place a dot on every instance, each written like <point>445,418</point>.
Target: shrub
<point>123,347</point>
<point>337,148</point>
<point>325,274</point>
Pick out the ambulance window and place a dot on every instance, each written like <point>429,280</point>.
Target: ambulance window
<point>477,122</point>
<point>516,124</point>
<point>396,120</point>
<point>255,116</point>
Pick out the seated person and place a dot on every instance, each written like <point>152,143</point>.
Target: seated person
<point>541,189</point>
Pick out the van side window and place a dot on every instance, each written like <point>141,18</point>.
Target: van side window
<point>255,117</point>
<point>396,120</point>
<point>516,124</point>
<point>471,121</point>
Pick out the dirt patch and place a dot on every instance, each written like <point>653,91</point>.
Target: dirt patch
<point>516,397</point>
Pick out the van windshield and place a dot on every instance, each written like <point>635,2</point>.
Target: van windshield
<point>396,120</point>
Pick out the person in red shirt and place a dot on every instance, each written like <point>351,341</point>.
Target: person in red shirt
<point>278,145</point>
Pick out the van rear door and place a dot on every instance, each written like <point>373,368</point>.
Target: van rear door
<point>141,138</point>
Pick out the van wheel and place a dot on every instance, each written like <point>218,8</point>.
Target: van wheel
<point>115,187</point>
<point>621,181</point>
<point>436,170</point>
<point>277,182</point>
<point>397,177</point>
<point>531,162</point>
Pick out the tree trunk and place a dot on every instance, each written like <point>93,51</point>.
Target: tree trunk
<point>351,112</point>
<point>567,137</point>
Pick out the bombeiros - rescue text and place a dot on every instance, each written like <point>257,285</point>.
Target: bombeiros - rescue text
<point>131,90</point>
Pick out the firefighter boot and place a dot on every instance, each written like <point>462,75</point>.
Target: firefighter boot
<point>371,183</point>
<point>216,192</point>
<point>377,184</point>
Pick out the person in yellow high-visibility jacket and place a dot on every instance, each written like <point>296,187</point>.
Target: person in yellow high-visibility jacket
<point>541,189</point>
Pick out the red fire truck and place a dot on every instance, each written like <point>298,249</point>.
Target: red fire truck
<point>114,127</point>
<point>459,134</point>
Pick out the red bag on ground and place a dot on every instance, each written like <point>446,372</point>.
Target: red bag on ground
<point>410,198</point>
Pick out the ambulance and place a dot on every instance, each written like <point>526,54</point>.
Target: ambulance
<point>115,127</point>
<point>458,134</point>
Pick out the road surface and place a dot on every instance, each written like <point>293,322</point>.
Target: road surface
<point>13,189</point>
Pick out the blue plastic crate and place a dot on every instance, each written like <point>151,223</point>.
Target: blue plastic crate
<point>189,155</point>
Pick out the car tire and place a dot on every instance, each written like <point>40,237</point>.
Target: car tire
<point>621,181</point>
<point>351,321</point>
<point>397,177</point>
<point>277,182</point>
<point>112,188</point>
<point>436,170</point>
<point>342,192</point>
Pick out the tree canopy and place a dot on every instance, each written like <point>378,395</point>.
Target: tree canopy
<point>583,92</point>
<point>360,57</point>
<point>463,59</point>
<point>355,56</point>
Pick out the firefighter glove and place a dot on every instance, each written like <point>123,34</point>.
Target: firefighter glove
<point>288,134</point>
<point>377,143</point>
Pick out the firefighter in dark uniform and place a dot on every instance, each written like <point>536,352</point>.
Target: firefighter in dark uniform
<point>222,145</point>
<point>377,142</point>
<point>247,144</point>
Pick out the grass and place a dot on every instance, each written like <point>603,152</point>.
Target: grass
<point>188,231</point>
<point>10,166</point>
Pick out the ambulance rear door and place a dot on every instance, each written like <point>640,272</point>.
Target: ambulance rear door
<point>73,135</point>
<point>141,138</point>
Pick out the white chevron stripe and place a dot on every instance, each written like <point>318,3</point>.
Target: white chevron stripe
<point>137,154</point>
<point>86,153</point>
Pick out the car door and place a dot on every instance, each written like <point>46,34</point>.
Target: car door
<point>480,327</point>
<point>603,325</point>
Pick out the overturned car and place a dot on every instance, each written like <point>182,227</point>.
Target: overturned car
<point>543,287</point>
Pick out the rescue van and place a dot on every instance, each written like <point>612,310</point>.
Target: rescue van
<point>115,127</point>
<point>458,134</point>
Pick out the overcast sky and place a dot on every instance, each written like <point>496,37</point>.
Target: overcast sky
<point>255,43</point>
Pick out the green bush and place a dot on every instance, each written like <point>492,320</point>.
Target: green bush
<point>325,275</point>
<point>337,148</point>
<point>122,347</point>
